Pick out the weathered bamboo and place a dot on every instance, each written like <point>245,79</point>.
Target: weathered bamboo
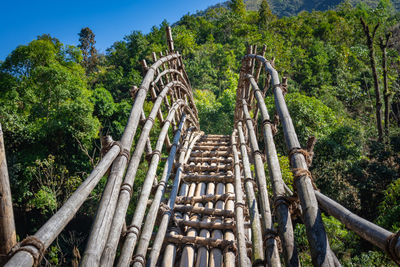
<point>240,204</point>
<point>152,213</point>
<point>316,234</point>
<point>204,198</point>
<point>188,253</point>
<point>124,196</point>
<point>207,224</point>
<point>105,213</point>
<point>367,230</point>
<point>8,237</point>
<point>272,249</point>
<point>256,229</point>
<point>229,253</point>
<point>285,226</point>
<point>52,228</point>
<point>170,250</point>
<point>162,229</point>
<point>202,258</point>
<point>208,178</point>
<point>205,211</point>
<point>125,193</point>
<point>216,256</point>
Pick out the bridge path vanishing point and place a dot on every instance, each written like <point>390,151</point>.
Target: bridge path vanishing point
<point>211,205</point>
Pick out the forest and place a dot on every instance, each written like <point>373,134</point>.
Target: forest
<point>343,69</point>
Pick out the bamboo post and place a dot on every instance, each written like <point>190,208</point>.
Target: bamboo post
<point>239,206</point>
<point>229,255</point>
<point>170,40</point>
<point>282,210</point>
<point>272,255</point>
<point>256,230</point>
<point>316,235</point>
<point>155,205</point>
<point>8,237</point>
<point>162,229</point>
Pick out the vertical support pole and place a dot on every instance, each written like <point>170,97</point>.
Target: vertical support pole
<point>170,41</point>
<point>7,227</point>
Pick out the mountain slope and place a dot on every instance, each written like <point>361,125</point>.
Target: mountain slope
<point>293,7</point>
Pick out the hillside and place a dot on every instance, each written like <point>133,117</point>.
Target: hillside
<point>293,7</point>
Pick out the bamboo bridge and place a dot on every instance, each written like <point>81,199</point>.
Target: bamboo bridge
<point>211,205</point>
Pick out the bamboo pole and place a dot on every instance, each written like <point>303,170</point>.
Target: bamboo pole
<point>367,230</point>
<point>229,253</point>
<point>256,232</point>
<point>285,226</point>
<point>52,228</point>
<point>124,196</point>
<point>105,213</point>
<point>216,256</point>
<point>240,204</point>
<point>8,237</point>
<point>202,258</point>
<point>125,193</point>
<point>162,229</point>
<point>188,253</point>
<point>152,213</point>
<point>316,234</point>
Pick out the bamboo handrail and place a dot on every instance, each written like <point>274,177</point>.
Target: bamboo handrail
<point>152,213</point>
<point>285,226</point>
<point>154,254</point>
<point>271,244</point>
<point>258,256</point>
<point>318,240</point>
<point>240,205</point>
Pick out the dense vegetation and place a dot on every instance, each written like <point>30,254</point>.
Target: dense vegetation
<point>55,101</point>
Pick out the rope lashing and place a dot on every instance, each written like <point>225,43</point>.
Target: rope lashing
<point>165,209</point>
<point>299,172</point>
<point>132,229</point>
<point>304,152</point>
<point>127,187</point>
<point>139,258</point>
<point>32,241</point>
<point>154,152</point>
<point>107,143</point>
<point>390,247</point>
<point>292,202</point>
<point>251,180</point>
<point>123,151</point>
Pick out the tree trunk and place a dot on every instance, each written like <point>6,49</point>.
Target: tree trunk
<point>378,103</point>
<point>386,96</point>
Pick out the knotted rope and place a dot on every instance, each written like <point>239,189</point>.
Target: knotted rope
<point>390,247</point>
<point>26,245</point>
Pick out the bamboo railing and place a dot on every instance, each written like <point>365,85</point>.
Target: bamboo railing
<point>217,210</point>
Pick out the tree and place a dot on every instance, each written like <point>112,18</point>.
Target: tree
<point>386,95</point>
<point>370,42</point>
<point>238,7</point>
<point>265,13</point>
<point>89,52</point>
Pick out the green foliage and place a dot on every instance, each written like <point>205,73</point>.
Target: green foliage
<point>389,208</point>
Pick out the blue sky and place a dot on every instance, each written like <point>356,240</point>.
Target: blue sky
<point>22,20</point>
